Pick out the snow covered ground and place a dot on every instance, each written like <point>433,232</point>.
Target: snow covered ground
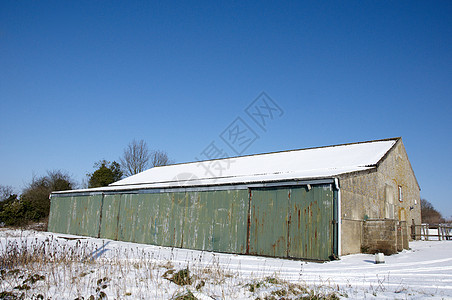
<point>61,266</point>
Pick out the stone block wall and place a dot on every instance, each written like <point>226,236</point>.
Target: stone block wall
<point>399,238</point>
<point>405,236</point>
<point>380,235</point>
<point>389,194</point>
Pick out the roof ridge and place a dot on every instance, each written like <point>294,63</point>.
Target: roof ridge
<point>283,151</point>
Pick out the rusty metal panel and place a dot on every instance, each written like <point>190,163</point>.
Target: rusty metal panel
<point>292,222</point>
<point>281,221</point>
<point>311,226</point>
<point>269,221</point>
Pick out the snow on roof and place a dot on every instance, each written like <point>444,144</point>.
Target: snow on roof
<point>311,163</point>
<point>295,164</point>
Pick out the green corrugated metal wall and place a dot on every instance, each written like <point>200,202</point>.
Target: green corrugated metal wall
<point>311,226</point>
<point>281,222</point>
<point>79,215</point>
<point>268,228</point>
<point>292,222</point>
<point>211,220</point>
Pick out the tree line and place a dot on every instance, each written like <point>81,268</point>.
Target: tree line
<point>430,215</point>
<point>33,205</point>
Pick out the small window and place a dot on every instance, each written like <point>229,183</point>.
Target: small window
<point>400,194</point>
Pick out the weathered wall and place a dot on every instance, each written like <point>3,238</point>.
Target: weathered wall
<point>393,172</point>
<point>213,220</point>
<point>359,201</point>
<point>79,215</point>
<point>352,236</point>
<point>380,236</point>
<point>294,222</point>
<point>375,195</point>
<point>384,235</point>
<point>404,236</point>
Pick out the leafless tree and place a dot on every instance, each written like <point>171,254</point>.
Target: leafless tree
<point>159,158</point>
<point>5,192</point>
<point>135,158</point>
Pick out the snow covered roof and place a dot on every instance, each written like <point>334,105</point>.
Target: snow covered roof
<point>311,163</point>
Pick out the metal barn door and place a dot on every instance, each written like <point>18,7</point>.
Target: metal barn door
<point>268,222</point>
<point>311,222</point>
<point>294,222</point>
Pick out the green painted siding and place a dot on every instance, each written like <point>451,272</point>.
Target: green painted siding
<point>281,222</point>
<point>292,222</point>
<point>109,221</point>
<point>78,215</point>
<point>269,216</point>
<point>311,228</point>
<point>210,220</point>
<point>60,214</point>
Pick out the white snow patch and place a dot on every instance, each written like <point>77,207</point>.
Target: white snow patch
<point>423,271</point>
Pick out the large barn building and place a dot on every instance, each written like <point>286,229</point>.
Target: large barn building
<point>316,203</point>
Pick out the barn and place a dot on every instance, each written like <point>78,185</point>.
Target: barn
<point>316,203</point>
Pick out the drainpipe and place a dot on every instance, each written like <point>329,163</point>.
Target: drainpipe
<point>339,216</point>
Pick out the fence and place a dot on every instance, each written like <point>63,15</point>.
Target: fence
<point>432,232</point>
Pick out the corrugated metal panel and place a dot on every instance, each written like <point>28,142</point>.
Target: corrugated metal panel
<point>87,217</point>
<point>281,222</point>
<point>60,214</point>
<point>292,222</point>
<point>109,221</point>
<point>269,226</point>
<point>197,229</point>
<point>211,220</point>
<point>229,218</point>
<point>311,231</point>
<point>75,215</point>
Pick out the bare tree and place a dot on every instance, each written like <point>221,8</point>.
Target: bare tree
<point>159,158</point>
<point>135,158</point>
<point>5,192</point>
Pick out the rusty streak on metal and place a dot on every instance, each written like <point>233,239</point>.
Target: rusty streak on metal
<point>245,221</point>
<point>248,227</point>
<point>100,217</point>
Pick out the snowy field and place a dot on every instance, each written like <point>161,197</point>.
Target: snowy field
<point>41,265</point>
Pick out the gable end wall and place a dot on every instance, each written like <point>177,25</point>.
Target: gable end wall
<point>374,195</point>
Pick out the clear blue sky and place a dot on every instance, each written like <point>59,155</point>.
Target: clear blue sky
<point>80,79</point>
